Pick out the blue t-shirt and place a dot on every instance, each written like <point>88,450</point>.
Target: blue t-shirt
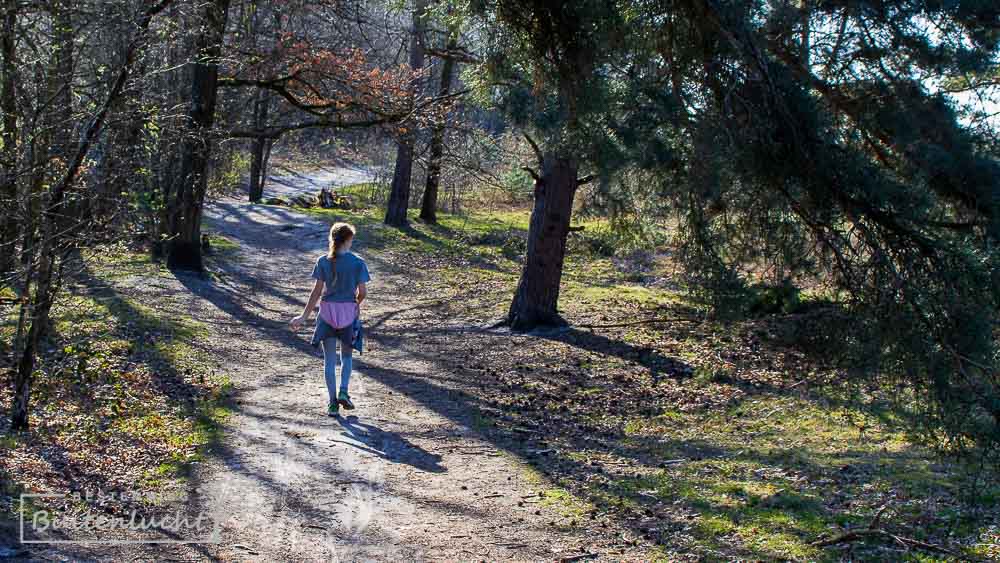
<point>351,271</point>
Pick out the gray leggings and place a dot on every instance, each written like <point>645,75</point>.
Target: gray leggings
<point>330,364</point>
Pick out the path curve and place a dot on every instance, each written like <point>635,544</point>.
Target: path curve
<point>287,182</point>
<point>397,481</point>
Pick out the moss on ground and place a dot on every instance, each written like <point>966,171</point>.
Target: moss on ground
<point>774,474</point>
<point>222,246</point>
<point>122,391</point>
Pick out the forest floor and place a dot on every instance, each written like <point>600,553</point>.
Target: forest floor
<point>405,477</point>
<point>612,439</point>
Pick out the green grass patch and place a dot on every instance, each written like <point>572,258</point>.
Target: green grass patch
<point>565,503</point>
<point>772,475</point>
<point>119,260</point>
<point>118,380</point>
<point>496,238</point>
<point>560,500</point>
<point>8,442</point>
<point>360,193</point>
<point>192,434</point>
<point>221,245</point>
<point>483,252</point>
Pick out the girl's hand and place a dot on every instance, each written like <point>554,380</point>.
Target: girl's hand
<point>296,322</point>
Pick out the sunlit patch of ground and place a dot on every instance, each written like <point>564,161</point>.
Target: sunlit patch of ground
<point>124,397</point>
<point>717,440</point>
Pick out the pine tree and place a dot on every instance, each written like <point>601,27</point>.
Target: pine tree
<point>840,158</point>
<point>553,55</point>
<point>810,138</point>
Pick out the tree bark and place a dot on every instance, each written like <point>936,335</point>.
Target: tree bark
<point>39,313</point>
<point>62,141</point>
<point>166,155</point>
<point>258,165</point>
<point>184,247</point>
<point>399,192</point>
<point>8,157</point>
<point>428,206</point>
<point>259,145</point>
<point>54,213</point>
<point>121,150</point>
<point>537,295</point>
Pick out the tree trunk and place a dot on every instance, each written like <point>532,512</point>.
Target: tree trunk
<point>49,216</point>
<point>259,145</point>
<point>8,158</point>
<point>264,163</point>
<point>53,245</point>
<point>258,168</point>
<point>122,148</point>
<point>62,141</point>
<point>50,210</point>
<point>166,154</point>
<point>166,184</point>
<point>537,294</point>
<point>124,177</point>
<point>399,193</point>
<point>40,308</point>
<point>184,248</point>
<point>428,206</point>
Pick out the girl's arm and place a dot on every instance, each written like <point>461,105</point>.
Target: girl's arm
<point>362,292</point>
<point>310,305</point>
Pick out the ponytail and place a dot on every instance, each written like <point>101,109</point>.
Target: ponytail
<point>340,233</point>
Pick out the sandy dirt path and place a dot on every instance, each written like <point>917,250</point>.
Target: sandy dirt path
<point>286,182</point>
<point>406,478</point>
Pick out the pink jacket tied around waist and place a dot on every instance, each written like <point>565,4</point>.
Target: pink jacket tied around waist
<point>338,314</point>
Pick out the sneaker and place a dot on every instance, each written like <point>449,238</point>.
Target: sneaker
<point>333,410</point>
<point>344,399</point>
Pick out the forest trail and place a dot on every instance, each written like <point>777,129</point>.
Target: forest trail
<point>406,477</point>
<point>288,182</point>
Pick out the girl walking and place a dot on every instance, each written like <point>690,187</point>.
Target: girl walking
<point>340,278</point>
